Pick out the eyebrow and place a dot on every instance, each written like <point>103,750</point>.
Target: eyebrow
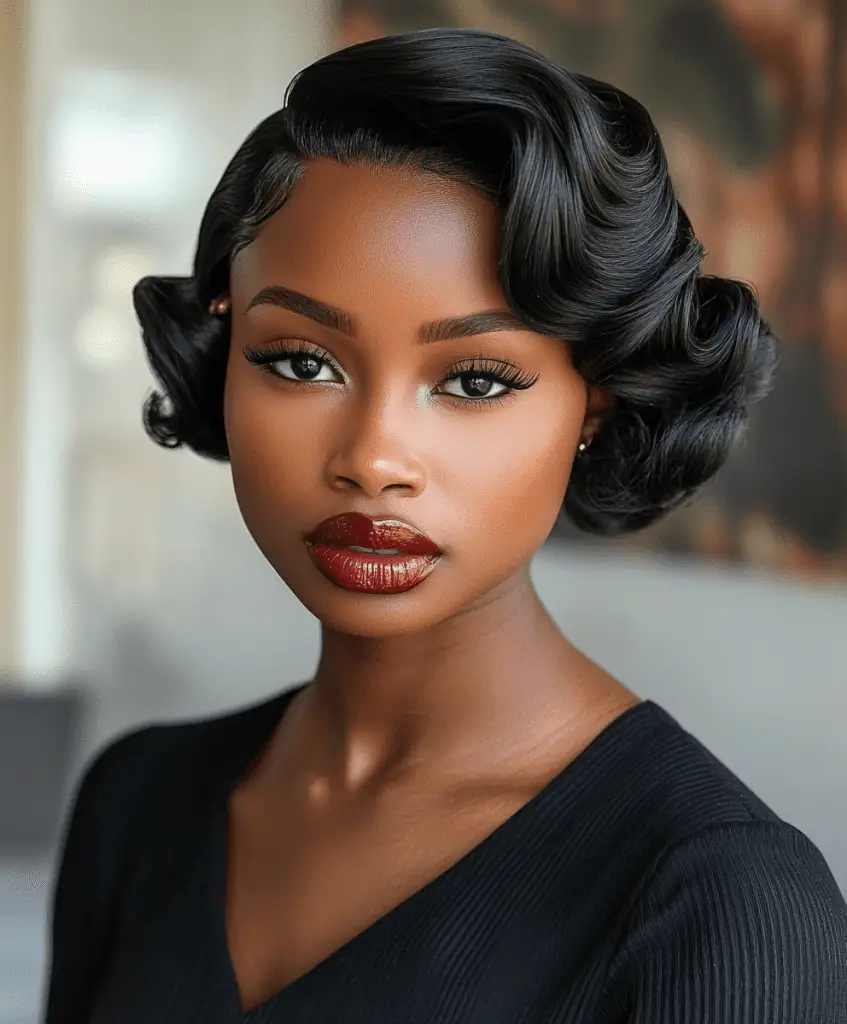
<point>484,322</point>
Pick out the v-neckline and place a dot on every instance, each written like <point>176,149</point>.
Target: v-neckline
<point>275,709</point>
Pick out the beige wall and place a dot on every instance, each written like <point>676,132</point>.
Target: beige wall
<point>11,288</point>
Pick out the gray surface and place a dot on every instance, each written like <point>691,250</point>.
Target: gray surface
<point>23,937</point>
<point>38,737</point>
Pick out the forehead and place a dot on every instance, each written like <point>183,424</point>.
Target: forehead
<point>359,230</point>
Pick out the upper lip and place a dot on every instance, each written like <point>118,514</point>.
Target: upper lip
<point>355,528</point>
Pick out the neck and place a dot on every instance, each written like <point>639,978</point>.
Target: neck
<point>475,692</point>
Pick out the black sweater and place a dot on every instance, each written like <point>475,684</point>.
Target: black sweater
<point>645,884</point>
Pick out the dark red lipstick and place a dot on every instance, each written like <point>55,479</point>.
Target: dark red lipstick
<point>396,558</point>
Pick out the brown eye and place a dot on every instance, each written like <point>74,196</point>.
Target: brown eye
<point>474,385</point>
<point>294,364</point>
<point>304,367</point>
<point>479,380</point>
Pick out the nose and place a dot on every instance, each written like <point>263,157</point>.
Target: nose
<point>374,452</point>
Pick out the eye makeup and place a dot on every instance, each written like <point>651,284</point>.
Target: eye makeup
<point>478,372</point>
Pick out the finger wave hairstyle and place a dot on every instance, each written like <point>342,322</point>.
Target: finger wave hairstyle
<point>594,249</point>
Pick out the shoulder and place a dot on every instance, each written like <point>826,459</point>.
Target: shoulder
<point>746,873</point>
<point>110,777</point>
<point>143,747</point>
<point>153,764</point>
<point>673,794</point>
<point>141,786</point>
<point>743,920</point>
<point>732,910</point>
<point>687,787</point>
<point>138,782</point>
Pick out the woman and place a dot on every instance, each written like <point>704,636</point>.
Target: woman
<point>447,286</point>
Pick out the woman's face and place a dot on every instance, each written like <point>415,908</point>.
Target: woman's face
<point>385,415</point>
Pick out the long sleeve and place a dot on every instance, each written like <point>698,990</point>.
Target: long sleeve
<point>83,903</point>
<point>740,924</point>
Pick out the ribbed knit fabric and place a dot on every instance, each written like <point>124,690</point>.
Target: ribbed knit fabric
<point>645,884</point>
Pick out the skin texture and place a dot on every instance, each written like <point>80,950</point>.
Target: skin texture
<point>433,714</point>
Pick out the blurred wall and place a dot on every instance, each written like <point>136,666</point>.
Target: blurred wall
<point>11,281</point>
<point>132,112</point>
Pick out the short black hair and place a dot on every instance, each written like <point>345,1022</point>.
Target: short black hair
<point>594,248</point>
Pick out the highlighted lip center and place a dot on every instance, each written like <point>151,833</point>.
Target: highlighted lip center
<point>374,551</point>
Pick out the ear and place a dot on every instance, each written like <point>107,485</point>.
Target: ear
<point>599,407</point>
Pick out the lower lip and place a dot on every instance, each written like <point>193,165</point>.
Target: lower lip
<point>371,574</point>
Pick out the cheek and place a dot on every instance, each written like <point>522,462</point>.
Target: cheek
<point>517,467</point>
<point>272,447</point>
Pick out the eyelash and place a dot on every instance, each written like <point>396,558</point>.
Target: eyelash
<point>495,370</point>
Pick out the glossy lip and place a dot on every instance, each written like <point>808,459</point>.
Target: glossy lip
<point>356,528</point>
<point>329,546</point>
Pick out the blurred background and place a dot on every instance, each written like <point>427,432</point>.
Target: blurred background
<point>129,589</point>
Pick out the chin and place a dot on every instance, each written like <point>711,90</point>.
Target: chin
<point>372,615</point>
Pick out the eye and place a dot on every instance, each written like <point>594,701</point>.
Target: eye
<point>480,380</point>
<point>300,364</point>
<point>475,385</point>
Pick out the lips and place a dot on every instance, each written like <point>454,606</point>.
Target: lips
<point>353,529</point>
<point>375,556</point>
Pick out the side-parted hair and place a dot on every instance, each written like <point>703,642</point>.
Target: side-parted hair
<point>594,249</point>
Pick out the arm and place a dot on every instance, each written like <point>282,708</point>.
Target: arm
<point>84,900</point>
<point>739,924</point>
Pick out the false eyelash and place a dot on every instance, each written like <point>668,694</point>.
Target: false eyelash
<point>278,350</point>
<point>492,369</point>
